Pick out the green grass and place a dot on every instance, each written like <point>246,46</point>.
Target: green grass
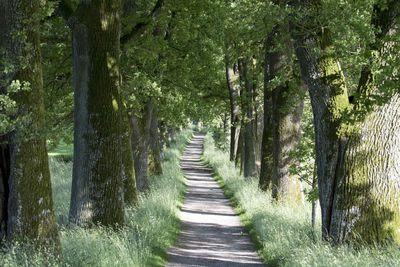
<point>151,228</point>
<point>283,234</point>
<point>63,152</point>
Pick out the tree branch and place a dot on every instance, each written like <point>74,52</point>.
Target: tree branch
<point>141,27</point>
<point>65,9</point>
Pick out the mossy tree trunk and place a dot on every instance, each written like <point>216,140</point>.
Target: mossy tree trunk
<point>129,180</point>
<point>140,144</point>
<point>287,110</point>
<point>358,174</point>
<point>367,206</point>
<point>284,104</point>
<point>329,101</point>
<point>367,202</point>
<point>249,157</point>
<point>232,77</point>
<point>266,171</point>
<point>102,162</point>
<point>154,143</point>
<point>25,175</point>
<point>4,190</point>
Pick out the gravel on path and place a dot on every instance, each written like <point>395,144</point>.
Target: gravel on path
<point>212,234</point>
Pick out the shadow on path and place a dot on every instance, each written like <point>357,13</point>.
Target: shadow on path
<point>211,234</point>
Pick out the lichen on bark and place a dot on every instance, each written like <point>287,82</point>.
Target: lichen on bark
<point>102,163</point>
<point>30,214</point>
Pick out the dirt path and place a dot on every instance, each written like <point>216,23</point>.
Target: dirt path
<point>212,234</point>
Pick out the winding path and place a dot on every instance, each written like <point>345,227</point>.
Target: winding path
<point>211,233</point>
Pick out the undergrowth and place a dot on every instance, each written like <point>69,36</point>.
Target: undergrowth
<point>283,234</point>
<point>151,227</point>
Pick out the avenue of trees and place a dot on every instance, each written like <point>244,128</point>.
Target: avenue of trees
<point>306,92</point>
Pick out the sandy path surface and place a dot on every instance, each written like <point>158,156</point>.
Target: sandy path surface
<point>211,234</point>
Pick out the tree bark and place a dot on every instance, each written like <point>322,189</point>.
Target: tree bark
<point>249,161</point>
<point>367,203</point>
<point>232,77</point>
<point>287,111</point>
<point>101,163</point>
<point>140,145</point>
<point>24,169</point>
<point>240,152</point>
<point>329,101</point>
<point>266,145</point>
<point>285,106</point>
<point>357,169</point>
<point>155,167</point>
<point>4,190</point>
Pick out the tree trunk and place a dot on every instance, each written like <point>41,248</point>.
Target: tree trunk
<point>130,190</point>
<point>313,203</point>
<point>287,110</point>
<point>154,142</point>
<point>358,174</point>
<point>232,76</point>
<point>367,201</point>
<point>249,168</point>
<point>240,152</point>
<point>140,145</point>
<point>25,175</point>
<point>259,128</point>
<point>4,190</point>
<point>100,120</point>
<point>266,145</point>
<point>329,101</point>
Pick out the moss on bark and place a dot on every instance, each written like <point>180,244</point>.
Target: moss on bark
<point>102,160</point>
<point>30,211</point>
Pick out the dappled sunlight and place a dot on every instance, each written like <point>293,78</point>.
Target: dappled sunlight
<point>212,234</point>
<point>285,232</point>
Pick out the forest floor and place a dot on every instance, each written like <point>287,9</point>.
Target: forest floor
<point>212,234</point>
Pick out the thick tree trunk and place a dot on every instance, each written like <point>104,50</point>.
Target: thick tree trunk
<point>285,113</point>
<point>367,201</point>
<point>24,169</point>
<point>140,145</point>
<point>249,160</point>
<point>4,190</point>
<point>101,164</point>
<point>358,175</point>
<point>154,143</point>
<point>266,145</point>
<point>232,77</point>
<point>329,101</point>
<point>287,110</point>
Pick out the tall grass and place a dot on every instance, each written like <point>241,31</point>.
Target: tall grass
<point>284,233</point>
<point>150,230</point>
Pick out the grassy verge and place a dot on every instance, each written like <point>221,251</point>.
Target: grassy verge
<point>283,234</point>
<point>151,228</point>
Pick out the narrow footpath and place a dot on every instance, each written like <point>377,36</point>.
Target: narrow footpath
<point>212,234</point>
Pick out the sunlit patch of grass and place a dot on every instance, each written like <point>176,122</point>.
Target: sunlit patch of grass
<point>151,227</point>
<point>284,233</point>
<point>62,151</point>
